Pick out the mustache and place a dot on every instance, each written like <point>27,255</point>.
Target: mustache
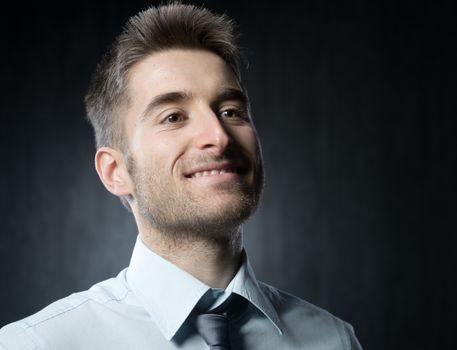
<point>210,157</point>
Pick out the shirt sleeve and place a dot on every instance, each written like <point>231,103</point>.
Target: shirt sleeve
<point>16,337</point>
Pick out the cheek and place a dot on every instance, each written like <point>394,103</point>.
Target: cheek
<point>158,150</point>
<point>247,138</point>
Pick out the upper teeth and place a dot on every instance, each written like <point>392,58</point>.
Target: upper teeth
<point>213,172</point>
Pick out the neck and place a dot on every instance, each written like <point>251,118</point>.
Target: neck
<point>214,261</point>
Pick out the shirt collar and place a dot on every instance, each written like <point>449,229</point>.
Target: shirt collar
<point>169,294</point>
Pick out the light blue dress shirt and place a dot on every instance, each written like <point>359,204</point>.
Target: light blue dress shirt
<point>147,306</point>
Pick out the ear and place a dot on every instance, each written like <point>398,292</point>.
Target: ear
<point>112,170</point>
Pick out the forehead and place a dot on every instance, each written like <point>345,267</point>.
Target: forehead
<point>198,71</point>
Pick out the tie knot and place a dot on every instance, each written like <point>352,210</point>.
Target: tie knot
<point>214,329</point>
<point>214,325</point>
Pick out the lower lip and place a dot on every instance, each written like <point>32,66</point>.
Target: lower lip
<point>215,179</point>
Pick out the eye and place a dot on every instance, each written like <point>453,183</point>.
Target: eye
<point>173,118</point>
<point>232,114</point>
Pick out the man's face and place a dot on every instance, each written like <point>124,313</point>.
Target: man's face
<point>193,155</point>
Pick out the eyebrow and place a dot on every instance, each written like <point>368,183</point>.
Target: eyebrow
<point>230,94</point>
<point>226,94</point>
<point>162,99</point>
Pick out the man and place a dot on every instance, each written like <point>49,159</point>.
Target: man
<point>175,141</point>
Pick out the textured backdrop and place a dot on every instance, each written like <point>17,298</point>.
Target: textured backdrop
<point>356,110</point>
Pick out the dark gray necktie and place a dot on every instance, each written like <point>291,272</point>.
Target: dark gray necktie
<point>214,329</point>
<point>214,326</point>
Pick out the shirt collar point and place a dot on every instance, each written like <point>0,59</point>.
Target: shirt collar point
<point>251,290</point>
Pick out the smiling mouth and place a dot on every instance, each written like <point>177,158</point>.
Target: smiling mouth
<point>213,172</point>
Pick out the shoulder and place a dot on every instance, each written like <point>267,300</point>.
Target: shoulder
<point>57,318</point>
<point>300,318</point>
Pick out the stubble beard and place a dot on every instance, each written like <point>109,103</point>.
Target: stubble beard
<point>181,213</point>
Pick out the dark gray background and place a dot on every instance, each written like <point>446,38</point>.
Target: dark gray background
<point>356,108</point>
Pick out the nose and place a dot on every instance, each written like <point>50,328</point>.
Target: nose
<point>210,132</point>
